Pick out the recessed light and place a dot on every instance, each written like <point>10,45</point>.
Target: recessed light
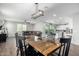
<point>54,15</point>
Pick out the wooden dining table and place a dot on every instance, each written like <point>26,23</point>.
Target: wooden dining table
<point>43,46</point>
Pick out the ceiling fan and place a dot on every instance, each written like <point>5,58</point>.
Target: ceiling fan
<point>38,12</point>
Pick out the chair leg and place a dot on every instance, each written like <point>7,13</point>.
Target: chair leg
<point>67,50</point>
<point>21,52</point>
<point>59,52</point>
<point>17,52</point>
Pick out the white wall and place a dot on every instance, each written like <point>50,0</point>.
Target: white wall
<point>30,27</point>
<point>75,29</point>
<point>39,27</point>
<point>68,20</point>
<point>11,26</point>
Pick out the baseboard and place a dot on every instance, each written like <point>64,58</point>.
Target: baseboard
<point>11,37</point>
<point>76,43</point>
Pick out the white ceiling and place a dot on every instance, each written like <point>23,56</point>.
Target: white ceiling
<point>23,11</point>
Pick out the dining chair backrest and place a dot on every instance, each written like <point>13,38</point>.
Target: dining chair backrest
<point>21,45</point>
<point>65,43</point>
<point>16,37</point>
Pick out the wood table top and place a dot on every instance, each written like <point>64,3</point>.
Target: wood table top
<point>44,47</point>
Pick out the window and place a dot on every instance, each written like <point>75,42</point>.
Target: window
<point>24,27</point>
<point>21,27</point>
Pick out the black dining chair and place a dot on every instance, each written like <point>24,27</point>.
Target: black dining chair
<point>64,49</point>
<point>65,46</point>
<point>17,43</point>
<point>20,44</point>
<point>21,48</point>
